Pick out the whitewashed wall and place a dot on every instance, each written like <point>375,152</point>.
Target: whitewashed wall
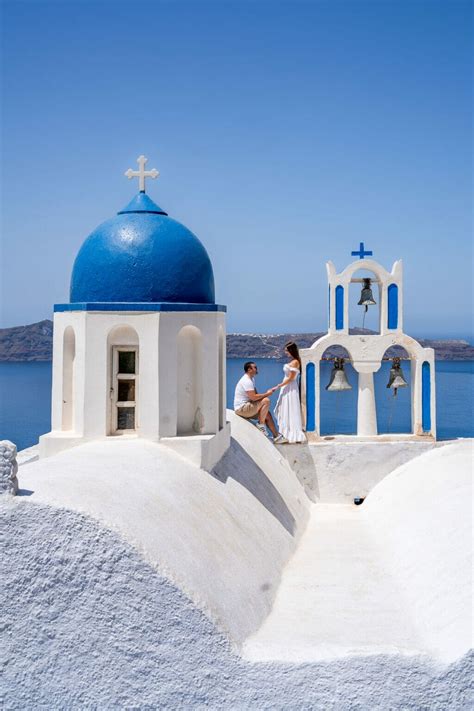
<point>180,384</point>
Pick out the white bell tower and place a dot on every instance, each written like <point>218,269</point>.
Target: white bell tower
<point>366,351</point>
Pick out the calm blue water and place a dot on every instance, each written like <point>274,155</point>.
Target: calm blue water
<point>25,399</point>
<point>454,395</point>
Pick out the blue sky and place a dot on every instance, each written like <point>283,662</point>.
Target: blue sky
<point>285,133</point>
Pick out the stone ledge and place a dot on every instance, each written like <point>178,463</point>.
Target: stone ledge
<point>204,451</point>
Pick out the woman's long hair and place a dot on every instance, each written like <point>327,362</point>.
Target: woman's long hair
<point>292,349</point>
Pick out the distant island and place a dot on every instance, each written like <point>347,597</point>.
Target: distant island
<point>34,342</point>
<point>27,343</point>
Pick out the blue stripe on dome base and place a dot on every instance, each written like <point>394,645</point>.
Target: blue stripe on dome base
<point>138,306</point>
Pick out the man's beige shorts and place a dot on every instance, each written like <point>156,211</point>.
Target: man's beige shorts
<point>250,409</point>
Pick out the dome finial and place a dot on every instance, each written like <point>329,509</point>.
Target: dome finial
<point>141,173</point>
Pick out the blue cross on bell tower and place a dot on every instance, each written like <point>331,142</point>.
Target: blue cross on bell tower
<point>361,253</point>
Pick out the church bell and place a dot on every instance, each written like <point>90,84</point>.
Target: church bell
<point>366,296</point>
<point>396,379</point>
<point>338,380</point>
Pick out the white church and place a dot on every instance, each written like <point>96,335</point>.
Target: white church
<point>140,349</point>
<point>162,553</point>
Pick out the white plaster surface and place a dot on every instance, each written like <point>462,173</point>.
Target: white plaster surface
<point>28,455</point>
<point>205,451</point>
<point>83,382</point>
<point>421,517</point>
<point>392,576</point>
<point>121,554</point>
<point>336,598</point>
<point>339,470</point>
<point>87,623</point>
<point>224,538</point>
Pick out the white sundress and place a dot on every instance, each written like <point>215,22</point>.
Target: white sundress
<point>288,409</point>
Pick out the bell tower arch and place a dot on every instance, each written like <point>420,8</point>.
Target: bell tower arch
<point>367,350</point>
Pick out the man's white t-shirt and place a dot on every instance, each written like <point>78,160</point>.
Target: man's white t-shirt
<point>245,384</point>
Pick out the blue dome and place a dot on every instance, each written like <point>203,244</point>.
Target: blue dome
<point>142,255</point>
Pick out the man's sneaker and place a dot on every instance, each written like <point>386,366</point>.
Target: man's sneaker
<point>279,439</point>
<point>262,428</point>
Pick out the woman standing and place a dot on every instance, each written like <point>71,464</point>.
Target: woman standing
<point>288,407</point>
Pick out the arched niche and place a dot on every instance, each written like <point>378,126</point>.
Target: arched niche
<point>222,377</point>
<point>122,335</point>
<point>337,410</point>
<point>189,381</point>
<point>371,320</point>
<point>69,356</point>
<point>122,388</point>
<point>394,413</point>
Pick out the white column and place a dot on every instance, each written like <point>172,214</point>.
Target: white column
<point>366,411</point>
<point>415,397</point>
<point>433,392</point>
<point>222,370</point>
<point>95,387</point>
<point>347,287</point>
<point>210,373</point>
<point>168,374</point>
<point>416,394</point>
<point>317,397</point>
<point>332,308</point>
<point>383,309</point>
<point>57,378</point>
<point>147,389</point>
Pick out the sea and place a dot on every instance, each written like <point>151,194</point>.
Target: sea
<point>25,399</point>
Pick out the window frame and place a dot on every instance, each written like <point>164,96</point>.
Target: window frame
<point>116,377</point>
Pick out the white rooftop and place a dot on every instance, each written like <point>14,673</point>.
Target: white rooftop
<point>231,541</point>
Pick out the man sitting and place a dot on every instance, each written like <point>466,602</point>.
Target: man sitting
<point>250,404</point>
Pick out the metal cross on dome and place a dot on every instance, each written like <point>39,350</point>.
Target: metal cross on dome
<point>361,253</point>
<point>141,173</point>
